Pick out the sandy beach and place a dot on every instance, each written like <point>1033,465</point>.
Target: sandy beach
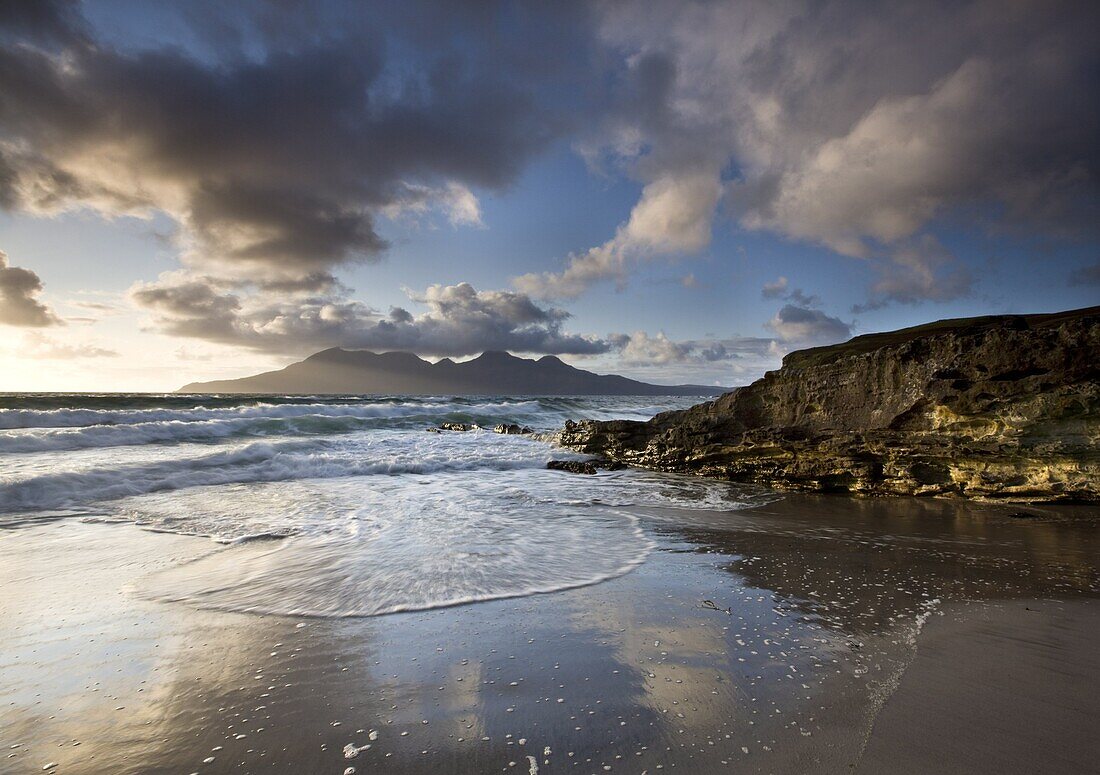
<point>869,636</point>
<point>1003,687</point>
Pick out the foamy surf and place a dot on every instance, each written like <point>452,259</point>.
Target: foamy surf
<point>275,461</point>
<point>343,506</point>
<point>388,552</point>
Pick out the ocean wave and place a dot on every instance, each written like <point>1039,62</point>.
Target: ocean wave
<point>169,431</point>
<point>546,412</point>
<point>273,461</point>
<point>388,409</point>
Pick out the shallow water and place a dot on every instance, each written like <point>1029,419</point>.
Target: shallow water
<point>375,514</point>
<point>213,606</point>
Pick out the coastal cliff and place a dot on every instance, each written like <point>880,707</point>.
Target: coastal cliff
<point>1001,408</point>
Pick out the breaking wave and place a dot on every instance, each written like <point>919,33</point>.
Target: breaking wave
<point>273,461</point>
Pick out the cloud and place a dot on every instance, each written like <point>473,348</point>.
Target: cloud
<point>95,306</point>
<point>277,149</point>
<point>804,327</point>
<point>18,303</point>
<point>858,132</point>
<point>779,289</point>
<point>184,354</point>
<point>457,202</point>
<point>673,216</point>
<point>775,289</point>
<point>459,320</point>
<point>1086,275</point>
<point>42,21</point>
<point>40,346</point>
<point>916,271</point>
<point>642,349</point>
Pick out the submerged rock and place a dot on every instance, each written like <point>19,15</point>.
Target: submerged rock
<point>1003,407</point>
<point>572,466</point>
<point>455,426</point>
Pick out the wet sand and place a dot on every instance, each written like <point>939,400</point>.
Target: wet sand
<point>1008,687</point>
<point>862,636</point>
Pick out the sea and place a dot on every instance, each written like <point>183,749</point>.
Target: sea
<point>354,507</point>
<point>247,583</point>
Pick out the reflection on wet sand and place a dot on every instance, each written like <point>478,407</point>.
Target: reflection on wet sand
<point>826,597</point>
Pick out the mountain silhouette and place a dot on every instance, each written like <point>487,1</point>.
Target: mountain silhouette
<point>492,373</point>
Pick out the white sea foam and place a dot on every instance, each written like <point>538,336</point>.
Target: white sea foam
<point>370,548</point>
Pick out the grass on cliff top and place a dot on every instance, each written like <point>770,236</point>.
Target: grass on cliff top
<point>818,356</point>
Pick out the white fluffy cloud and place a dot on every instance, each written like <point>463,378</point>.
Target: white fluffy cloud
<point>673,216</point>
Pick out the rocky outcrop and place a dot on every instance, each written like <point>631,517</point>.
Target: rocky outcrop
<point>572,466</point>
<point>1004,407</point>
<point>511,429</point>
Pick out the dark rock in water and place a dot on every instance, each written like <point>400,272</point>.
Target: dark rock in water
<point>1004,407</point>
<point>572,466</point>
<point>607,464</point>
<point>512,428</point>
<point>454,426</point>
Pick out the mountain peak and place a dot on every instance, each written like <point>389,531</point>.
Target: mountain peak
<point>495,356</point>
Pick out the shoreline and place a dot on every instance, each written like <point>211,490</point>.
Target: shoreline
<point>825,596</point>
<point>1006,688</point>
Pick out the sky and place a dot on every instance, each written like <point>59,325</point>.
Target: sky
<point>674,191</point>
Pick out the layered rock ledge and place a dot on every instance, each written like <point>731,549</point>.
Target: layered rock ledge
<point>1001,408</point>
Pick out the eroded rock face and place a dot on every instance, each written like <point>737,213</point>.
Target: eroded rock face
<point>1004,407</point>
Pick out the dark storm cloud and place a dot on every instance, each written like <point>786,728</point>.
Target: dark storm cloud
<point>41,21</point>
<point>19,306</point>
<point>277,163</point>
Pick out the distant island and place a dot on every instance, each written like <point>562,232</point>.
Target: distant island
<point>493,373</point>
